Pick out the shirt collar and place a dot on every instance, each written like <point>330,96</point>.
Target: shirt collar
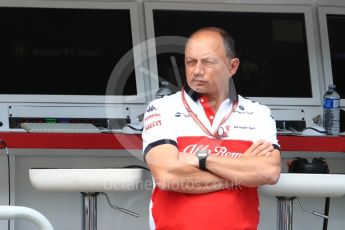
<point>232,92</point>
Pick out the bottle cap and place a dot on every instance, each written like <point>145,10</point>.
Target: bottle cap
<point>332,86</point>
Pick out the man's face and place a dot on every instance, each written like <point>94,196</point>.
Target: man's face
<point>208,69</point>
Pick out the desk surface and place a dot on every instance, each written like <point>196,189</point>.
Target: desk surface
<point>134,142</point>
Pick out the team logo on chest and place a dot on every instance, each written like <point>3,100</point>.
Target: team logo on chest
<point>213,150</point>
<point>219,147</point>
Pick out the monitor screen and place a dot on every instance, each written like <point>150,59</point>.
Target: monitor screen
<point>273,45</point>
<point>62,51</point>
<point>332,24</point>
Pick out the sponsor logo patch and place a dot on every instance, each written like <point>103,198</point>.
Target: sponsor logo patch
<point>226,148</point>
<point>153,124</point>
<point>244,112</point>
<point>179,114</point>
<point>152,116</point>
<point>213,150</point>
<point>150,109</point>
<point>244,127</point>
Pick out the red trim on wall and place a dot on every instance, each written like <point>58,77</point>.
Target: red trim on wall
<point>312,143</point>
<point>134,142</point>
<point>72,141</point>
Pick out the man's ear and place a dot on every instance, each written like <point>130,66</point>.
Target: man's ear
<point>233,66</point>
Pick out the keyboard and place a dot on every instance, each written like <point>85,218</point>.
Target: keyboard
<point>60,128</point>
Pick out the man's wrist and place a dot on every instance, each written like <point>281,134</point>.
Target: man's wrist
<point>202,156</point>
<point>202,164</point>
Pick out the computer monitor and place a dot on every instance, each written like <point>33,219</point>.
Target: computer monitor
<point>275,44</point>
<point>332,24</point>
<point>70,58</point>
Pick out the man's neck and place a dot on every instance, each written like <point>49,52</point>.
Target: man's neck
<point>216,100</point>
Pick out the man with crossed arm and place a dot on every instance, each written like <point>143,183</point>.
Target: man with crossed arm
<point>208,148</point>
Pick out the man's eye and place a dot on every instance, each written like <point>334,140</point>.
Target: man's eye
<point>190,62</point>
<point>208,62</point>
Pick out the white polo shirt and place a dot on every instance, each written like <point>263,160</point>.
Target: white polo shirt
<point>167,121</point>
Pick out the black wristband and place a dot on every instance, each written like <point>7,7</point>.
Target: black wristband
<point>202,163</point>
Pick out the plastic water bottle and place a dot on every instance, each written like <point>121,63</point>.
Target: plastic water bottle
<point>331,111</point>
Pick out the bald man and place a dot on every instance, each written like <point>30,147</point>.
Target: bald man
<point>208,148</point>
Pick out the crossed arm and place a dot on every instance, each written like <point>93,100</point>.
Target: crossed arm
<point>179,172</point>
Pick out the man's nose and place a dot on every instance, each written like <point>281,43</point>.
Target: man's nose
<point>199,69</point>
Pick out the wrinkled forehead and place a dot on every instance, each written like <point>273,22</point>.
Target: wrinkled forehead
<point>202,45</point>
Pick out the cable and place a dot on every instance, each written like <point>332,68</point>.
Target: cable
<point>123,209</point>
<point>118,208</point>
<point>3,145</point>
<point>325,221</point>
<point>311,211</point>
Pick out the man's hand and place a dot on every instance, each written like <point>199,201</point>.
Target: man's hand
<point>259,148</point>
